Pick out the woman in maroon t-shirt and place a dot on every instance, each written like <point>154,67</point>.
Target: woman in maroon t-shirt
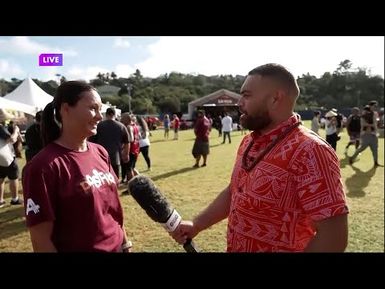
<point>70,191</point>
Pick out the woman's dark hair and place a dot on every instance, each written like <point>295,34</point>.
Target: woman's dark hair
<point>142,122</point>
<point>68,92</point>
<point>38,115</point>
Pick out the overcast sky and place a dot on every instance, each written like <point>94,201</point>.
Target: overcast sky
<point>84,57</point>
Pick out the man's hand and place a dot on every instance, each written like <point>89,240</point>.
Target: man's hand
<point>184,231</point>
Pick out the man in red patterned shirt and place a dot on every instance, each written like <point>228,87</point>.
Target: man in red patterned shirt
<point>285,193</point>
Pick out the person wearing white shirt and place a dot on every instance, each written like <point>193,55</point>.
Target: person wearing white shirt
<point>227,127</point>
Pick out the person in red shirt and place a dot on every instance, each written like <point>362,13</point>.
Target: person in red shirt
<point>285,192</point>
<point>128,168</point>
<point>176,124</point>
<point>201,145</point>
<point>70,188</point>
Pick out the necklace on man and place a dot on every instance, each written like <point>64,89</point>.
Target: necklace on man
<point>248,167</point>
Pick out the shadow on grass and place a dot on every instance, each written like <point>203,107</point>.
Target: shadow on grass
<point>344,162</point>
<point>358,182</point>
<point>216,145</point>
<point>8,227</point>
<point>172,173</point>
<point>123,187</point>
<point>159,140</point>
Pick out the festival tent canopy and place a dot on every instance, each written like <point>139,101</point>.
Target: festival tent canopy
<point>29,93</point>
<point>29,98</point>
<point>18,106</point>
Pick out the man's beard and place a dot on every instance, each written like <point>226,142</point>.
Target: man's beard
<point>256,123</point>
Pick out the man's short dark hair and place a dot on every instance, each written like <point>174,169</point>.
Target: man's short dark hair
<point>277,72</point>
<point>110,111</point>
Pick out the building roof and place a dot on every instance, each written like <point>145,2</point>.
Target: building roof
<point>215,96</point>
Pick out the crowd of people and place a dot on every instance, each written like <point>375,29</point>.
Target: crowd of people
<point>274,201</point>
<point>361,126</point>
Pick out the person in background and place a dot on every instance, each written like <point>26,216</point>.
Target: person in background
<point>285,192</point>
<point>201,146</point>
<point>353,127</point>
<point>18,145</point>
<point>368,134</point>
<point>8,165</point>
<point>128,169</point>
<point>227,127</point>
<point>211,121</point>
<point>33,140</point>
<point>339,122</point>
<point>176,124</point>
<point>373,104</point>
<point>113,136</point>
<point>331,129</point>
<point>218,125</point>
<point>166,125</point>
<point>70,189</point>
<point>315,122</point>
<point>144,141</point>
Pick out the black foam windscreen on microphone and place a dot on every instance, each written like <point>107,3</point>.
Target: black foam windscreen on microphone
<point>149,197</point>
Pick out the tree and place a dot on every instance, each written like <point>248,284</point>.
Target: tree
<point>138,75</point>
<point>169,104</point>
<point>4,87</point>
<point>96,82</point>
<point>143,106</point>
<point>344,66</point>
<point>100,76</point>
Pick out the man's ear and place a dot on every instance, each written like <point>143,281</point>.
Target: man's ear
<point>277,98</point>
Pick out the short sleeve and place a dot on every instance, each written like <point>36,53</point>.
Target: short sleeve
<point>319,185</point>
<point>39,191</point>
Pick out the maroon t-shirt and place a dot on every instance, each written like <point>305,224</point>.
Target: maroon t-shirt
<point>77,191</point>
<point>202,129</point>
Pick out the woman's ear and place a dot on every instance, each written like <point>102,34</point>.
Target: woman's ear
<point>64,108</point>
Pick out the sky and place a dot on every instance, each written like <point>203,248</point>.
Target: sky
<point>85,56</point>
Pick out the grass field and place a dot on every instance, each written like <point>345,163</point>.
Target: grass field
<point>190,190</point>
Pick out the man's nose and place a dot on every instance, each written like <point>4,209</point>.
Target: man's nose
<point>240,102</point>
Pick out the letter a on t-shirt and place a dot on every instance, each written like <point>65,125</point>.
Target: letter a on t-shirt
<point>31,206</point>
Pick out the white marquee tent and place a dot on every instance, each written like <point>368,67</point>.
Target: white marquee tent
<point>29,98</point>
<point>18,106</point>
<point>28,92</point>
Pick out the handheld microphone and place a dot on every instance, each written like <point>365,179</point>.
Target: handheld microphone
<point>148,196</point>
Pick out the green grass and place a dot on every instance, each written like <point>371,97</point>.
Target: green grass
<point>191,190</point>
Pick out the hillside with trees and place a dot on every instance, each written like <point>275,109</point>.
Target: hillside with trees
<point>171,92</point>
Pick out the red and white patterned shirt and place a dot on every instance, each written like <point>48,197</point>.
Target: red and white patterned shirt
<point>274,205</point>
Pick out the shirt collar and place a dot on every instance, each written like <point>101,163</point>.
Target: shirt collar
<point>272,134</point>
